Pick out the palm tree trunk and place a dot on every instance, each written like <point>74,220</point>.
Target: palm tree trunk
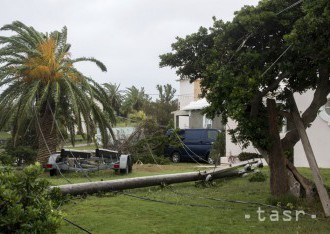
<point>47,137</point>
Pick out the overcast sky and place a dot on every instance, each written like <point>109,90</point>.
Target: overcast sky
<point>126,35</point>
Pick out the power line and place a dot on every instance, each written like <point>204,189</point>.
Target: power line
<point>289,7</point>
<point>286,50</point>
<point>74,158</point>
<point>76,225</point>
<point>249,35</point>
<point>174,203</point>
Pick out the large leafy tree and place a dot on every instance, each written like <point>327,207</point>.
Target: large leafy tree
<point>268,51</point>
<point>43,87</point>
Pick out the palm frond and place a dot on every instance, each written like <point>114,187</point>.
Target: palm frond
<point>97,62</point>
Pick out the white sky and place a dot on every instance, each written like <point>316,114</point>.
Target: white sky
<point>126,35</point>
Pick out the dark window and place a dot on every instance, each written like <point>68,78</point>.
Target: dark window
<point>193,135</point>
<point>212,135</point>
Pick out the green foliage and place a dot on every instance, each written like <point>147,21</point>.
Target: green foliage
<point>22,154</point>
<point>243,156</point>
<point>41,84</point>
<point>115,96</point>
<point>219,147</point>
<point>5,158</point>
<point>134,100</point>
<point>161,110</point>
<point>150,148</point>
<point>286,201</point>
<point>25,202</point>
<point>258,177</point>
<point>137,116</point>
<point>243,61</point>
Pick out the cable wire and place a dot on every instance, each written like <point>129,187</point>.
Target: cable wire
<point>76,225</point>
<point>174,203</point>
<point>74,158</point>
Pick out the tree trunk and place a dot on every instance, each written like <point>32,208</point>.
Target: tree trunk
<point>279,184</point>
<point>47,136</point>
<point>305,187</point>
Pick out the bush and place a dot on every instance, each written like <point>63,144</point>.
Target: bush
<point>219,147</point>
<point>285,201</point>
<point>247,156</point>
<point>23,155</point>
<point>258,177</point>
<point>150,146</point>
<point>5,158</point>
<point>25,203</point>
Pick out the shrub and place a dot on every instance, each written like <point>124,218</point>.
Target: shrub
<point>258,177</point>
<point>5,158</point>
<point>25,203</point>
<point>150,146</point>
<point>288,201</point>
<point>22,154</point>
<point>219,147</point>
<point>247,156</point>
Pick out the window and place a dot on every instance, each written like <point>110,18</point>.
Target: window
<point>212,135</point>
<point>193,135</point>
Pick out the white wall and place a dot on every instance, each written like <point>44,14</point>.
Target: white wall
<point>183,122</point>
<point>186,93</point>
<point>235,149</point>
<point>319,136</point>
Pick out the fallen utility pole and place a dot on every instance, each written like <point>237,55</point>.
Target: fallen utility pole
<point>146,181</point>
<point>323,194</point>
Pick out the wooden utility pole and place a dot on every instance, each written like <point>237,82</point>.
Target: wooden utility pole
<point>324,197</point>
<point>146,181</point>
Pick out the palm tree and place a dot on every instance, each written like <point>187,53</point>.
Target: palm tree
<point>42,84</point>
<point>115,96</point>
<point>135,99</point>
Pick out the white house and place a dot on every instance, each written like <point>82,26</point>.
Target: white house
<point>318,133</point>
<point>189,116</point>
<point>191,105</point>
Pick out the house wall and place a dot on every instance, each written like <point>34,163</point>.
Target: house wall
<point>186,93</point>
<point>195,119</point>
<point>216,123</point>
<point>318,134</point>
<point>235,149</point>
<point>183,122</point>
<point>197,89</point>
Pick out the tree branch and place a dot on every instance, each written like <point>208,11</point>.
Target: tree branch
<point>258,97</point>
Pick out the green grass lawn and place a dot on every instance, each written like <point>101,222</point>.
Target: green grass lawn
<point>120,213</point>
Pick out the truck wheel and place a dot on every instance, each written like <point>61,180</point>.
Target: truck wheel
<point>53,172</point>
<point>175,157</point>
<point>210,160</point>
<point>124,171</point>
<point>130,165</point>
